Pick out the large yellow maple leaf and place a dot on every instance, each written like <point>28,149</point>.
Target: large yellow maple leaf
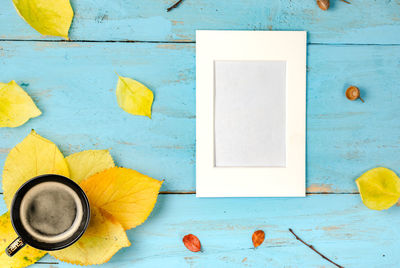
<point>84,164</point>
<point>24,257</point>
<point>103,238</point>
<point>120,198</point>
<point>124,193</point>
<point>32,157</point>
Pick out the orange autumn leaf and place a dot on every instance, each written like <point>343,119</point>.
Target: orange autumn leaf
<point>103,238</point>
<point>192,243</point>
<point>126,194</point>
<point>258,238</point>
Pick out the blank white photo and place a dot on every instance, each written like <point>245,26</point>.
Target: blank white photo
<point>250,113</point>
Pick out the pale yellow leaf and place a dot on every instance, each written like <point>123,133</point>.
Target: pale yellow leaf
<point>24,257</point>
<point>16,107</point>
<point>134,97</point>
<point>32,157</point>
<point>103,238</point>
<point>47,17</point>
<point>84,164</point>
<point>379,188</point>
<point>124,193</point>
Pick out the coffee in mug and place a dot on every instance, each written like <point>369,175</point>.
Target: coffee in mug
<point>49,212</point>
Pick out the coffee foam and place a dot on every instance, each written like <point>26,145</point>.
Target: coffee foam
<point>51,212</point>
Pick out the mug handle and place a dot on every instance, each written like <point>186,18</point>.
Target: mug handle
<point>15,246</point>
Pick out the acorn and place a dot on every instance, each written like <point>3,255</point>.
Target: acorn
<point>353,93</point>
<point>323,4</point>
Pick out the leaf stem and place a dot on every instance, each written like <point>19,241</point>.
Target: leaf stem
<point>312,247</point>
<point>176,5</point>
<point>345,1</point>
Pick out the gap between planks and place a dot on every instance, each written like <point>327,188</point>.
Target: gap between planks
<point>175,42</point>
<point>194,192</point>
<point>307,193</point>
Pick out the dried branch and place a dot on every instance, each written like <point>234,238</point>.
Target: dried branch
<point>310,246</point>
<point>176,5</point>
<point>345,1</point>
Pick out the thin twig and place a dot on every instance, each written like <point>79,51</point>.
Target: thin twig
<point>345,1</point>
<point>310,246</point>
<point>176,5</point>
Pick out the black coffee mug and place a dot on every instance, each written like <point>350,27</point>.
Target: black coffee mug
<point>28,237</point>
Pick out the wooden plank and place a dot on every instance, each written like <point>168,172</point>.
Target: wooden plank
<point>345,138</point>
<point>376,22</point>
<point>73,84</point>
<point>339,226</point>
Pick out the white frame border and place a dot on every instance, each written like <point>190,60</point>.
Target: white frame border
<point>289,181</point>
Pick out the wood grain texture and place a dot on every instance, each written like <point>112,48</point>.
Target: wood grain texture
<point>339,226</point>
<point>74,85</point>
<point>376,22</point>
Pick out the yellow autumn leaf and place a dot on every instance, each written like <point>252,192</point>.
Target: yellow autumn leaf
<point>32,157</point>
<point>84,164</point>
<point>16,107</point>
<point>47,17</point>
<point>379,188</point>
<point>124,193</point>
<point>25,256</point>
<point>103,238</point>
<point>134,97</point>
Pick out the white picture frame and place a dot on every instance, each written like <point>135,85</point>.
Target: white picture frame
<point>217,52</point>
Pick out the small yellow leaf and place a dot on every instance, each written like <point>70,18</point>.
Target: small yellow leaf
<point>25,256</point>
<point>379,188</point>
<point>84,164</point>
<point>103,238</point>
<point>32,157</point>
<point>16,107</point>
<point>47,17</point>
<point>134,97</point>
<point>124,193</point>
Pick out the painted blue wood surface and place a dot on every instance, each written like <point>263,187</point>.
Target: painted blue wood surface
<point>73,84</point>
<point>374,22</point>
<point>339,226</point>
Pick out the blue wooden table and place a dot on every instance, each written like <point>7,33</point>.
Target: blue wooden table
<point>73,83</point>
